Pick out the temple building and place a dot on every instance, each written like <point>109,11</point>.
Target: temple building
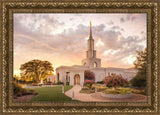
<point>75,74</point>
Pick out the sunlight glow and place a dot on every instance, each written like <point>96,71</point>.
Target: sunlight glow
<point>130,59</point>
<point>99,43</point>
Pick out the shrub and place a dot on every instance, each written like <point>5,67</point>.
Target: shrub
<point>16,88</point>
<point>139,80</point>
<point>88,83</point>
<point>85,88</point>
<point>138,91</point>
<point>100,82</point>
<point>23,91</point>
<point>99,87</point>
<point>115,81</point>
<point>67,83</point>
<point>59,82</point>
<point>18,91</point>
<point>49,82</point>
<point>89,75</point>
<point>34,84</point>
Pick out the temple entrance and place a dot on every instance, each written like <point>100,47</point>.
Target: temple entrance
<point>77,79</point>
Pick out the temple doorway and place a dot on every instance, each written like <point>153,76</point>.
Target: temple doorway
<point>77,79</point>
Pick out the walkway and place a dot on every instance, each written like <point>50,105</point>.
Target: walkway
<point>96,97</point>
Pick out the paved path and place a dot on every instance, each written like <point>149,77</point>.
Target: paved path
<point>96,97</point>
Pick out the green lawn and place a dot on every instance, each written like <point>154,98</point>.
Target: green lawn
<point>52,94</point>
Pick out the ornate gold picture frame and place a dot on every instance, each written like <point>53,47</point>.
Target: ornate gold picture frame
<point>9,7</point>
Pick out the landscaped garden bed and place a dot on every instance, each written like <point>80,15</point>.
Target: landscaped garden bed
<point>19,91</point>
<point>113,86</point>
<point>87,90</point>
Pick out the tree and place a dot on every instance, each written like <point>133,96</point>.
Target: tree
<point>35,69</point>
<point>141,65</point>
<point>141,61</point>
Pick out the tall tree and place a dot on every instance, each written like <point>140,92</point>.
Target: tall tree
<point>36,69</point>
<point>141,61</point>
<point>141,64</point>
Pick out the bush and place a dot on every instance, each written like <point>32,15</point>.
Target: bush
<point>18,91</point>
<point>49,82</point>
<point>89,75</point>
<point>100,82</point>
<point>99,87</point>
<point>88,83</point>
<point>67,83</point>
<point>34,84</point>
<point>143,92</point>
<point>115,81</point>
<point>85,88</point>
<point>23,91</point>
<point>16,88</point>
<point>59,83</point>
<point>139,80</point>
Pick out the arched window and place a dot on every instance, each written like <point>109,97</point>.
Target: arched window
<point>95,64</point>
<point>85,64</point>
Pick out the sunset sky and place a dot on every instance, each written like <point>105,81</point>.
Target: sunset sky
<point>62,38</point>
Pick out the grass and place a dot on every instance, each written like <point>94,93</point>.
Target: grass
<point>52,94</point>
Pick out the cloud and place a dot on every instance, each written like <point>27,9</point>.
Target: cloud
<point>111,23</point>
<point>122,20</point>
<point>44,37</point>
<point>45,24</point>
<point>128,17</point>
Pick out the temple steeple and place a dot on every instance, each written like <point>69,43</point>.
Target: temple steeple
<point>91,53</point>
<point>91,60</point>
<point>90,30</point>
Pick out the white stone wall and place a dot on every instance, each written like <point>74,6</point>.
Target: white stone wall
<point>62,74</point>
<point>100,73</point>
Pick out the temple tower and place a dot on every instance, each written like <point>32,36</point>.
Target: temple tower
<point>91,60</point>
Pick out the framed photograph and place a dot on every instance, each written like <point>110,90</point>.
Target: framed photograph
<point>79,57</point>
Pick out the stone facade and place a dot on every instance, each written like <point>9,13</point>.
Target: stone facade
<point>75,73</point>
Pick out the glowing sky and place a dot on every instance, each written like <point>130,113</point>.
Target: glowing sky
<point>62,38</point>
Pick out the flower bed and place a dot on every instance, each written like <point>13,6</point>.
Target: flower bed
<point>120,92</point>
<point>87,90</point>
<point>88,83</point>
<point>99,87</point>
<point>117,96</point>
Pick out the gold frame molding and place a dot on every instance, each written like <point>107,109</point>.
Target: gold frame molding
<point>9,7</point>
